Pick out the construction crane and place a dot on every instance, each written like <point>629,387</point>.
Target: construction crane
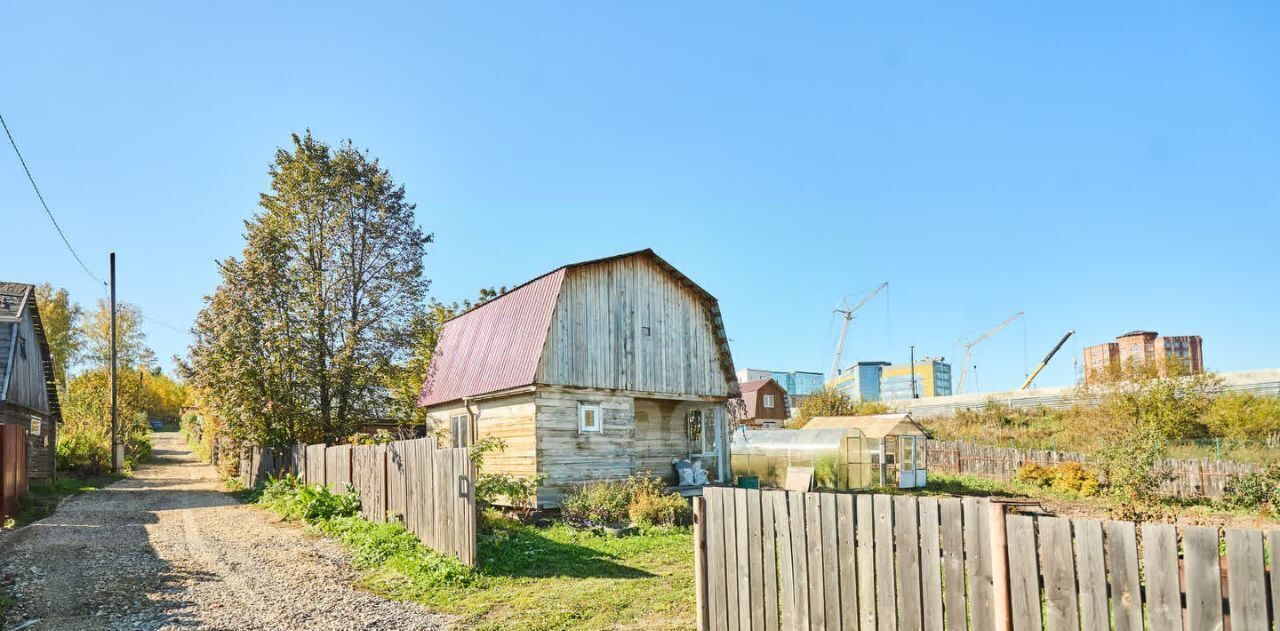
<point>968,348</point>
<point>848,317</point>
<point>1045,362</point>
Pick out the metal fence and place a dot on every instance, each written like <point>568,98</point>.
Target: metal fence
<point>1188,478</point>
<point>431,491</point>
<point>13,468</point>
<point>787,560</point>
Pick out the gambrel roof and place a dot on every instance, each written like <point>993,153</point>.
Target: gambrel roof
<point>498,345</point>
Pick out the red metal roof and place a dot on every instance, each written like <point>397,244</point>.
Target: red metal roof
<point>498,345</point>
<point>495,346</point>
<point>752,386</point>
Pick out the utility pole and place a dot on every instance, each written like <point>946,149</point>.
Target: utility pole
<point>117,449</point>
<point>914,395</point>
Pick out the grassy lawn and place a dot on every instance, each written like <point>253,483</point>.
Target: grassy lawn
<point>44,498</point>
<point>535,578</point>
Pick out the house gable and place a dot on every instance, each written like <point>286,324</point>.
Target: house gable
<point>633,323</point>
<point>26,368</point>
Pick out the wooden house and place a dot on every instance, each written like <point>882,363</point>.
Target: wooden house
<point>593,371</point>
<point>28,390</point>
<point>763,404</point>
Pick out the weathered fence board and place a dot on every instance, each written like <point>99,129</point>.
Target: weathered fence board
<point>1246,581</point>
<point>1203,577</point>
<point>431,491</point>
<point>1092,574</point>
<point>928,563</point>
<point>1188,478</point>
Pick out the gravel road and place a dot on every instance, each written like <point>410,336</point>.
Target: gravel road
<point>167,549</point>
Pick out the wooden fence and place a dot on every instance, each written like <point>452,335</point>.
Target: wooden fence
<point>430,490</point>
<point>787,560</point>
<point>1189,478</point>
<point>13,468</point>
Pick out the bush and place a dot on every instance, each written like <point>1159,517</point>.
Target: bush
<point>1068,478</point>
<point>1131,464</point>
<point>662,509</point>
<point>1035,475</point>
<point>292,499</point>
<point>1260,489</point>
<point>608,502</point>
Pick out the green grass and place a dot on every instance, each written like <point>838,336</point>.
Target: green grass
<point>43,498</point>
<point>532,578</point>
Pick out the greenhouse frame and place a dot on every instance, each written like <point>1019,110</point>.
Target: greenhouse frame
<point>844,457</point>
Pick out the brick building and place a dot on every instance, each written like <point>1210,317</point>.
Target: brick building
<point>1144,348</point>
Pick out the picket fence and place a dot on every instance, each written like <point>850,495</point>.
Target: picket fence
<point>789,560</point>
<point>431,491</point>
<point>13,468</point>
<point>1189,478</point>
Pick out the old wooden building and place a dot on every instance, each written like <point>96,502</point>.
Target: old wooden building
<point>28,391</point>
<point>593,371</point>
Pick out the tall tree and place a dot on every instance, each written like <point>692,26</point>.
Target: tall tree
<point>313,318</point>
<point>131,341</point>
<point>61,319</point>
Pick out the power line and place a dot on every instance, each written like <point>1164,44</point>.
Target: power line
<point>46,205</point>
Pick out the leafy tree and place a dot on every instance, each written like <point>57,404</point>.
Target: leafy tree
<point>131,341</point>
<point>305,330</point>
<point>61,319</point>
<point>1244,416</point>
<point>1168,402</point>
<point>84,443</point>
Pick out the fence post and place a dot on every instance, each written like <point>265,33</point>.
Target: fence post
<point>1001,614</point>
<point>700,561</point>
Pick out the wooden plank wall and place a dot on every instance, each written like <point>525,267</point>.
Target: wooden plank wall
<point>787,560</point>
<point>1191,478</point>
<point>431,491</point>
<point>13,467</point>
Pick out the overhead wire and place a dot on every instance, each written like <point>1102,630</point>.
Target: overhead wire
<point>45,205</point>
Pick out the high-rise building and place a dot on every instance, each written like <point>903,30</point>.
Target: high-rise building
<point>882,381</point>
<point>1144,348</point>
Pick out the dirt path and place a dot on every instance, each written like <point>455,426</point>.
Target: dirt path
<point>168,550</point>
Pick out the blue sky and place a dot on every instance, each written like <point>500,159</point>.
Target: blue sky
<point>1101,168</point>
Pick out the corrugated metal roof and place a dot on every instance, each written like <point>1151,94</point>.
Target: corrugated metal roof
<point>752,386</point>
<point>498,345</point>
<point>495,346</point>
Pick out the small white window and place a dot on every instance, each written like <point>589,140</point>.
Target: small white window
<point>768,400</point>
<point>588,418</point>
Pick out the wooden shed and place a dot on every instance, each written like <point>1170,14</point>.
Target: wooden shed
<point>593,371</point>
<point>28,390</point>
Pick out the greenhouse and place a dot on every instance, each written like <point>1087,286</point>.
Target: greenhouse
<point>842,457</point>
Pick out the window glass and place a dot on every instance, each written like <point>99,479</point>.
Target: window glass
<point>588,418</point>
<point>768,400</point>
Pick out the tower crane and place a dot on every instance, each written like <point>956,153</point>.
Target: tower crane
<point>1045,362</point>
<point>968,347</point>
<point>848,317</point>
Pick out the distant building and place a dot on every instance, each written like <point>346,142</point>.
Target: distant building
<point>1144,348</point>
<point>860,381</point>
<point>798,383</point>
<point>763,404</point>
<point>882,381</point>
<point>932,379</point>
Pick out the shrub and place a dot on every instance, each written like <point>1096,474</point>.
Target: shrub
<point>1068,478</point>
<point>1260,489</point>
<point>661,509</point>
<point>292,499</point>
<point>1035,475</point>
<point>607,502</point>
<point>1131,464</point>
<point>1074,479</point>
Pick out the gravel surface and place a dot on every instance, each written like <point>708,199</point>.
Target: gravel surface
<point>167,549</point>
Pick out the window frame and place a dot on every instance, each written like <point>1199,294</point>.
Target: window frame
<point>583,407</point>
<point>458,432</point>
<point>767,401</point>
